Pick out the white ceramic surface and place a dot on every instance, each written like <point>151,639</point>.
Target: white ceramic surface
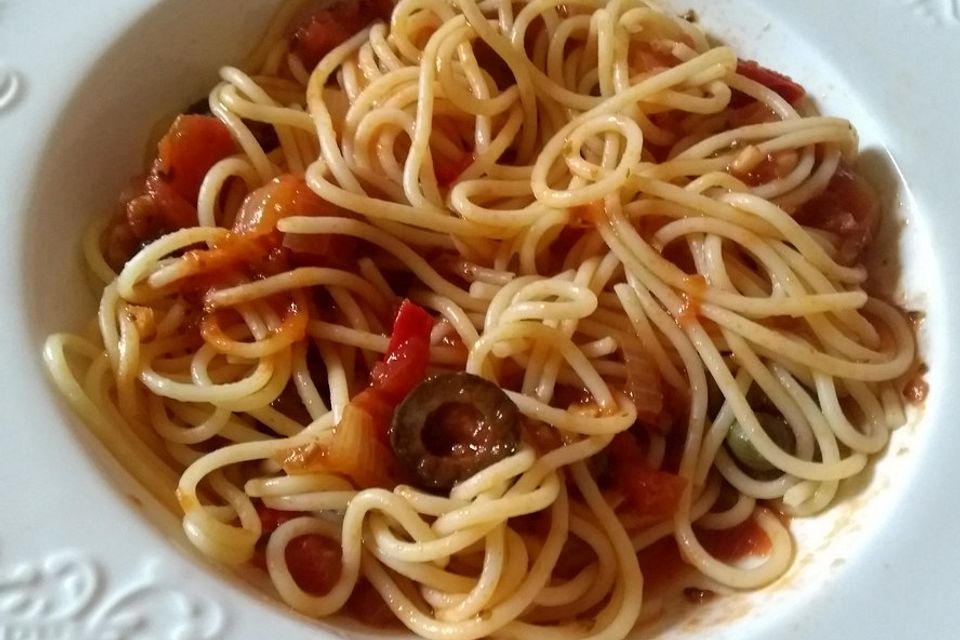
<point>84,554</point>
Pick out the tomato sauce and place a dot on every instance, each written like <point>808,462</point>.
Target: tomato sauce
<point>165,199</point>
<point>323,26</point>
<point>916,390</point>
<point>744,540</point>
<point>915,387</point>
<point>366,605</point>
<point>772,167</point>
<point>315,562</point>
<point>661,564</point>
<point>448,172</point>
<point>650,56</point>
<point>847,209</point>
<point>271,519</point>
<point>692,299</point>
<point>781,84</point>
<point>650,493</point>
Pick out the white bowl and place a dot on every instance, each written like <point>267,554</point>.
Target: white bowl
<point>81,547</point>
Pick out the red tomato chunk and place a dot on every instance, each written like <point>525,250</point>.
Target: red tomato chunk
<point>650,492</point>
<point>315,562</point>
<point>848,209</point>
<point>166,198</point>
<point>405,364</point>
<point>781,84</point>
<point>326,26</point>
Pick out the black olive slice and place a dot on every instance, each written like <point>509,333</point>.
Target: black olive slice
<point>453,426</point>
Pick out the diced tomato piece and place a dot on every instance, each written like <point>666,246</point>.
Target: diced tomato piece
<point>672,120</point>
<point>661,564</point>
<point>403,369</point>
<point>405,364</point>
<point>119,243</point>
<point>772,167</point>
<point>173,210</point>
<point>747,112</point>
<point>411,321</point>
<point>783,85</point>
<point>270,519</point>
<point>745,539</point>
<point>189,149</point>
<point>624,451</point>
<point>360,446</point>
<point>650,492</point>
<point>315,562</point>
<point>448,172</point>
<point>166,199</point>
<point>591,214</point>
<point>646,56</point>
<point>847,208</point>
<point>366,605</point>
<point>324,27</point>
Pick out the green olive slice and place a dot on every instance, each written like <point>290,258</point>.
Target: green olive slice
<point>453,426</point>
<point>744,451</point>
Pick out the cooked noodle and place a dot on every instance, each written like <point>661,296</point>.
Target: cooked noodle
<point>552,254</point>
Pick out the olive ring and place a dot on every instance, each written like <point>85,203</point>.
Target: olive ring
<point>453,426</point>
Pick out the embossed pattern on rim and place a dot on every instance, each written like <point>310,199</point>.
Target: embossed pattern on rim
<point>11,86</point>
<point>943,13</point>
<point>68,595</point>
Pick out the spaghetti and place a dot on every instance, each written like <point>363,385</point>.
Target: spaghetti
<point>650,248</point>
